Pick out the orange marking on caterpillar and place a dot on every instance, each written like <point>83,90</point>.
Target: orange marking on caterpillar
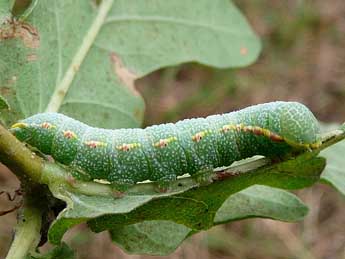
<point>69,134</point>
<point>94,144</point>
<point>128,147</point>
<point>200,135</point>
<point>263,132</point>
<point>244,51</point>
<point>255,130</point>
<point>271,135</point>
<point>47,125</point>
<point>228,127</point>
<point>164,142</point>
<point>258,131</point>
<point>161,143</point>
<point>240,127</point>
<point>276,137</point>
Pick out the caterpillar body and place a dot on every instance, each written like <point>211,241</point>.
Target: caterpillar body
<point>163,152</point>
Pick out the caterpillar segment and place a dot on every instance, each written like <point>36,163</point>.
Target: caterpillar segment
<point>164,152</point>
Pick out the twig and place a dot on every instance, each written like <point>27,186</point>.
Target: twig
<point>21,160</point>
<point>27,232</point>
<point>332,137</point>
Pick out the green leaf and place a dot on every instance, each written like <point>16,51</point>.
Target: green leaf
<point>334,173</point>
<point>158,237</point>
<point>3,103</point>
<point>342,127</point>
<point>49,56</point>
<point>59,252</point>
<point>261,201</point>
<point>5,9</point>
<point>192,207</point>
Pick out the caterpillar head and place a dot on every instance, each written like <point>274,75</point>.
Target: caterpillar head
<point>37,133</point>
<point>22,131</point>
<point>299,127</point>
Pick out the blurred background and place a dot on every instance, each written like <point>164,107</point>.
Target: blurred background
<point>303,59</point>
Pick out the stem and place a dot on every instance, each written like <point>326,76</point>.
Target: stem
<point>27,234</point>
<point>21,160</point>
<point>332,137</point>
<point>62,88</point>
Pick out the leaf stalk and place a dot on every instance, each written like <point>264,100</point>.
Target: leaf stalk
<point>64,85</point>
<point>27,234</point>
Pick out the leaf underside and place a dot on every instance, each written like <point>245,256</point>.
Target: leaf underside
<point>191,208</point>
<point>135,39</point>
<point>334,173</point>
<point>5,13</point>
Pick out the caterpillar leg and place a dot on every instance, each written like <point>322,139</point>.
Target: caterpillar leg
<point>203,176</point>
<point>78,173</point>
<point>120,188</point>
<point>164,183</point>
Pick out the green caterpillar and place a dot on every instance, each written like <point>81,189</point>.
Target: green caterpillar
<point>163,152</point>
